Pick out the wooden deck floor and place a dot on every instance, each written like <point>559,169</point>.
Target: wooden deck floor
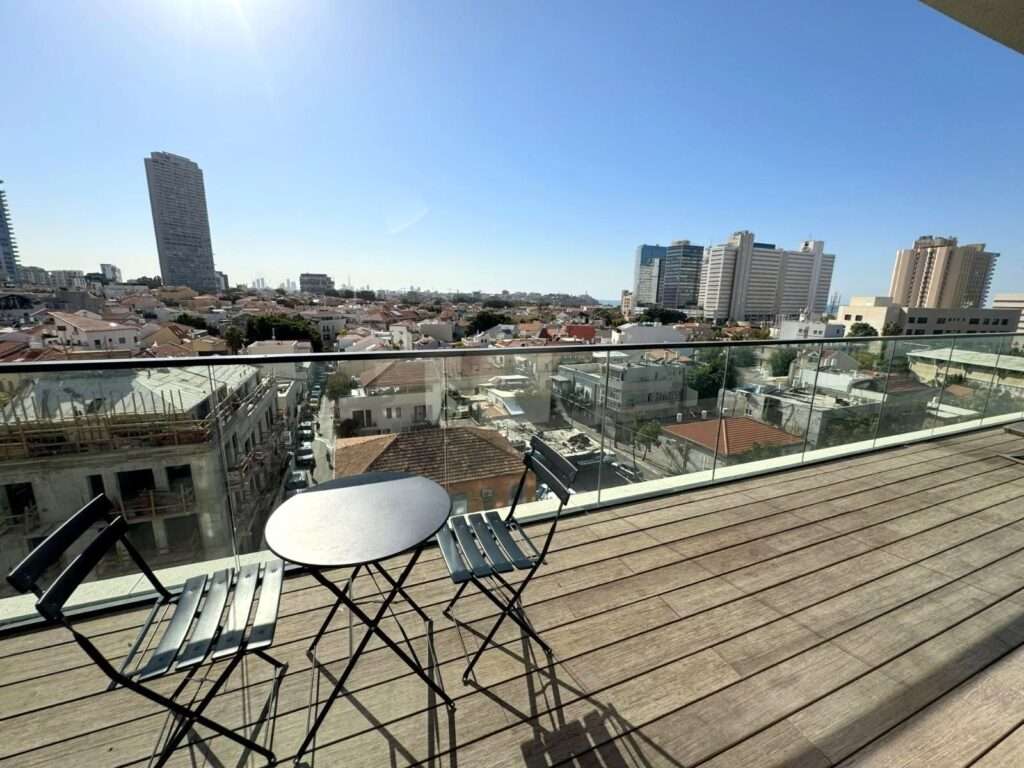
<point>865,612</point>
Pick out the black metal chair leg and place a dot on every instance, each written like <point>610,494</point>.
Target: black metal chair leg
<point>458,594</point>
<point>189,719</point>
<point>401,590</point>
<point>356,653</point>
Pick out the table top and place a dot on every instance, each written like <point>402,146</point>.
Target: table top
<point>356,520</point>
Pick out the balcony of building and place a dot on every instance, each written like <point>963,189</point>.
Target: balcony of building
<point>865,611</point>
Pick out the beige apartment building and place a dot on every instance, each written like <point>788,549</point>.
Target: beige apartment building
<point>1010,301</point>
<point>880,311</point>
<point>939,273</point>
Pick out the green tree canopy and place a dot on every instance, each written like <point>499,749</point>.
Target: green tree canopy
<point>780,359</point>
<point>709,372</point>
<point>646,435</point>
<point>282,328</point>
<point>662,315</point>
<point>193,321</point>
<point>234,338</point>
<point>339,384</point>
<point>486,319</point>
<point>892,329</point>
<point>861,329</point>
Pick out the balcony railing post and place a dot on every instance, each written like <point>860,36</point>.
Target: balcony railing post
<point>225,467</point>
<point>720,407</point>
<point>885,391</point>
<point>603,421</point>
<point>814,395</point>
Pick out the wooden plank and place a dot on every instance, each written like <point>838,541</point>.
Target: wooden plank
<point>691,590</point>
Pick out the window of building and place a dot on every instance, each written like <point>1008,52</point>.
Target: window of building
<point>974,321</point>
<point>398,411</point>
<point>387,413</point>
<point>985,321</point>
<point>859,317</point>
<point>940,321</point>
<point>98,343</point>
<point>487,497</point>
<point>179,479</point>
<point>1006,321</point>
<point>120,340</point>
<point>96,486</point>
<point>21,498</point>
<point>419,413</point>
<point>135,483</point>
<point>847,317</point>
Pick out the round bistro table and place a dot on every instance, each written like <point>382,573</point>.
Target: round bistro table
<point>358,522</point>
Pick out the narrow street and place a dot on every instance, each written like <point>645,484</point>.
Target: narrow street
<point>323,443</point>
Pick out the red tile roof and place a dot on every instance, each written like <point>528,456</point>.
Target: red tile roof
<point>584,332</point>
<point>454,455</point>
<point>401,373</point>
<point>737,434</point>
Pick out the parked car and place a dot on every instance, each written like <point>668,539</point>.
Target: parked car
<point>297,480</point>
<point>306,435</point>
<point>306,424</point>
<point>314,403</point>
<point>304,458</point>
<point>629,472</point>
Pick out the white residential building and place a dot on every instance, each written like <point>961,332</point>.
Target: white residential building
<point>745,280</point>
<point>298,372</point>
<point>649,333</point>
<point>807,329</point>
<point>395,396</point>
<point>89,331</point>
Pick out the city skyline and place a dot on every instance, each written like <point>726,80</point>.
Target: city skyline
<point>532,191</point>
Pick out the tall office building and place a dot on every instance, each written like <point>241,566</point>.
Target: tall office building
<point>316,283</point>
<point>646,274</point>
<point>938,273</point>
<point>8,245</point>
<point>747,280</point>
<point>177,197</point>
<point>679,275</point>
<point>112,273</point>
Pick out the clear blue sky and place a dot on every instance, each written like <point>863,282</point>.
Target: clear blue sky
<point>520,145</point>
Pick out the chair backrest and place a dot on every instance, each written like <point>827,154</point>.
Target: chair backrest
<point>27,575</point>
<point>551,468</point>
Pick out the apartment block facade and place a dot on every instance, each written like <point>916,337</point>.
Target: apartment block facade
<point>882,311</point>
<point>8,245</point>
<point>181,223</point>
<point>679,275</point>
<point>938,272</point>
<point>646,274</point>
<point>747,280</point>
<point>316,283</point>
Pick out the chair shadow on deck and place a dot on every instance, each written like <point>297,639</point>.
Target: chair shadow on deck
<point>440,720</point>
<point>198,747</point>
<point>550,689</point>
<point>602,737</point>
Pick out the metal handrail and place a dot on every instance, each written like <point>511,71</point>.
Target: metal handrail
<point>138,363</point>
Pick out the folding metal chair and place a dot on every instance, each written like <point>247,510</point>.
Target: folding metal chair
<point>479,547</point>
<point>213,615</point>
